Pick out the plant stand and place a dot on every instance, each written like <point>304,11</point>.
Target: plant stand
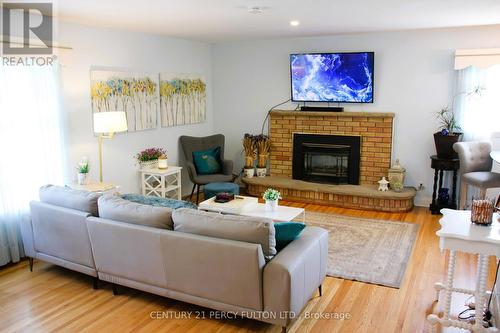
<point>162,183</point>
<point>440,165</point>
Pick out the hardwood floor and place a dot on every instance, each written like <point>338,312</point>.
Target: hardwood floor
<point>55,299</point>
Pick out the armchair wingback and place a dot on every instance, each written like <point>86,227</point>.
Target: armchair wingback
<point>191,144</point>
<point>475,168</point>
<point>474,156</point>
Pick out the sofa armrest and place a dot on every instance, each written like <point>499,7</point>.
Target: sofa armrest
<point>294,274</point>
<point>27,236</point>
<point>227,167</point>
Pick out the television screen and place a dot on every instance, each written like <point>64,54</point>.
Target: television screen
<point>332,77</point>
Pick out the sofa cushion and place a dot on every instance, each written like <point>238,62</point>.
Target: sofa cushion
<point>68,198</point>
<point>115,208</point>
<point>158,202</point>
<point>207,162</point>
<point>286,232</point>
<point>240,228</point>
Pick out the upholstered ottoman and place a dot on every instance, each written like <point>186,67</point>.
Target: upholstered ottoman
<point>212,189</point>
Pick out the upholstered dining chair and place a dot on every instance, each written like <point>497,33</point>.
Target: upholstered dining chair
<point>475,168</point>
<point>192,144</point>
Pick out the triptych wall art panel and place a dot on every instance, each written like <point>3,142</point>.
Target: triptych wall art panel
<point>134,93</point>
<point>180,99</point>
<point>183,99</point>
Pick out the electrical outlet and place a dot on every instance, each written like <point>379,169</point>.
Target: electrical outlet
<point>420,187</point>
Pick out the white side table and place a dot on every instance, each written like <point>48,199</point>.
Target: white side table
<point>495,155</point>
<point>162,183</point>
<point>457,233</point>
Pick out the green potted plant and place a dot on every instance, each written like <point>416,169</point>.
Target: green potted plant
<point>148,158</point>
<point>449,131</point>
<point>271,196</point>
<point>448,134</point>
<point>83,172</point>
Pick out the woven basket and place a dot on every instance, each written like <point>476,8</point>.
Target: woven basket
<point>149,165</point>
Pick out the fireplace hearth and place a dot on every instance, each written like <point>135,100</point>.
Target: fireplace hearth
<point>331,159</point>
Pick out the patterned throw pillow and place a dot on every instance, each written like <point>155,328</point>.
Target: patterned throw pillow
<point>207,162</point>
<point>158,202</point>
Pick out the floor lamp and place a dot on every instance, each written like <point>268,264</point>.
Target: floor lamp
<point>106,124</point>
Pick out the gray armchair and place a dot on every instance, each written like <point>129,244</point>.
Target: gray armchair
<point>475,168</point>
<point>191,144</point>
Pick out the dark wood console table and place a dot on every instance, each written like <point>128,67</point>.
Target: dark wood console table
<point>440,165</point>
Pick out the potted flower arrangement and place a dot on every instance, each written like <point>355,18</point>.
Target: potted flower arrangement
<point>263,148</point>
<point>448,134</point>
<point>83,172</point>
<point>148,158</point>
<point>272,197</point>
<point>250,150</point>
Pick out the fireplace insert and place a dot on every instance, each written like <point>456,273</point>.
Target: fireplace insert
<point>332,159</point>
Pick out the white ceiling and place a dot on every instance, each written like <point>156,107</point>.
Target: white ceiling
<point>223,20</point>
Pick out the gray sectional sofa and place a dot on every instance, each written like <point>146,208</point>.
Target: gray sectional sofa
<point>224,262</point>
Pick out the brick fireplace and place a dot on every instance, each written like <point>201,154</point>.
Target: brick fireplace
<point>332,139</point>
<point>374,130</point>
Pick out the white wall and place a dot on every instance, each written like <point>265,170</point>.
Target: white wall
<point>112,49</point>
<point>414,78</point>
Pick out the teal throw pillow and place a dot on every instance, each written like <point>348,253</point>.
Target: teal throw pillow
<point>286,232</point>
<point>207,162</point>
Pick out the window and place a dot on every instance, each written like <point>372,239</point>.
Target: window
<point>30,146</point>
<point>479,113</point>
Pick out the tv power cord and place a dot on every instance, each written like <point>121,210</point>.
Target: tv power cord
<point>269,112</point>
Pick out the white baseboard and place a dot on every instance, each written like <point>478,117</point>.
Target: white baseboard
<point>422,201</point>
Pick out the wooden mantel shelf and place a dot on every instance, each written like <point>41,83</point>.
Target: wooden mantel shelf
<point>333,114</point>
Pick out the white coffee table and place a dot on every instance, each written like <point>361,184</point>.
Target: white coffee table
<point>250,206</point>
<point>457,233</point>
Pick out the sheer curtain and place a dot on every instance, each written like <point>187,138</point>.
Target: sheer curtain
<point>30,146</point>
<point>478,113</point>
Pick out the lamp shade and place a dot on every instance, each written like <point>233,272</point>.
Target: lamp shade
<point>110,122</point>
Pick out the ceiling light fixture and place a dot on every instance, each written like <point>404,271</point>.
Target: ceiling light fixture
<point>294,23</point>
<point>255,10</point>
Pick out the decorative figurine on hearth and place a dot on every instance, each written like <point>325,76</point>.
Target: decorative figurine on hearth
<point>383,185</point>
<point>397,176</point>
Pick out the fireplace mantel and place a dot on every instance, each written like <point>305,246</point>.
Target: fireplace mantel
<point>333,114</point>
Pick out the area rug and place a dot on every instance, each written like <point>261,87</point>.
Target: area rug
<point>372,251</point>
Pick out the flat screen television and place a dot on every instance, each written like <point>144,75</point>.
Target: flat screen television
<point>332,77</point>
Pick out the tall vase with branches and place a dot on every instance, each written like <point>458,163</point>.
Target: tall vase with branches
<point>263,148</point>
<point>250,150</point>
